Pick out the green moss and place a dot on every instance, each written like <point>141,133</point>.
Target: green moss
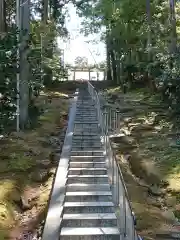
<point>113,90</point>
<point>177,214</point>
<point>3,234</point>
<point>20,162</point>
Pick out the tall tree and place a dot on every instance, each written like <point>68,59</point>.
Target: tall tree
<point>45,9</point>
<point>81,61</point>
<point>2,16</point>
<point>173,42</point>
<point>24,64</point>
<point>149,40</point>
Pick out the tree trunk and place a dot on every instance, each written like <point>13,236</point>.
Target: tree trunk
<point>149,40</point>
<point>113,65</point>
<point>2,16</point>
<point>173,44</point>
<point>44,16</point>
<point>45,44</point>
<point>109,75</point>
<point>24,64</point>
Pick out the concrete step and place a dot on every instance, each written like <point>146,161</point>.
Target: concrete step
<point>87,130</point>
<point>87,158</point>
<point>83,148</point>
<point>85,233</point>
<point>88,153</point>
<point>89,220</point>
<point>88,134</point>
<point>76,136</point>
<point>87,196</point>
<point>93,145</point>
<point>84,119</point>
<point>87,187</point>
<point>83,110</point>
<point>88,143</point>
<point>90,140</point>
<point>87,171</point>
<point>87,179</point>
<point>87,164</point>
<point>87,122</point>
<point>88,207</point>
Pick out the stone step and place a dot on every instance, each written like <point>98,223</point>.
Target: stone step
<point>87,158</point>
<point>87,143</point>
<point>87,164</point>
<point>89,220</point>
<point>88,153</point>
<point>86,138</point>
<point>88,133</point>
<point>84,141</point>
<point>87,187</point>
<point>87,196</point>
<point>87,122</point>
<point>77,148</point>
<point>87,171</point>
<point>90,142</point>
<point>85,115</point>
<point>87,179</point>
<point>88,207</point>
<point>85,233</point>
<point>84,119</point>
<point>86,126</point>
<point>81,110</point>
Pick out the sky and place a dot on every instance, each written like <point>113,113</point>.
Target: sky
<point>77,45</point>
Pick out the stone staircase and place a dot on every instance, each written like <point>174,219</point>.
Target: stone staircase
<point>88,209</point>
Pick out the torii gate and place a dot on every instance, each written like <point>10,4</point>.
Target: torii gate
<point>89,70</point>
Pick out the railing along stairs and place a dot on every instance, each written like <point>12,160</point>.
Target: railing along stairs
<point>124,212</point>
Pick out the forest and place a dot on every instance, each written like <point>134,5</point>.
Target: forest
<point>143,69</point>
<point>30,57</point>
<point>141,40</point>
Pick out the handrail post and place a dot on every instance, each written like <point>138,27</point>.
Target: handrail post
<point>110,119</point>
<point>124,207</point>
<point>117,120</point>
<point>105,130</point>
<point>114,122</point>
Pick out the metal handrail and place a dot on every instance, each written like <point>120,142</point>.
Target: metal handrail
<point>122,179</point>
<point>116,173</point>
